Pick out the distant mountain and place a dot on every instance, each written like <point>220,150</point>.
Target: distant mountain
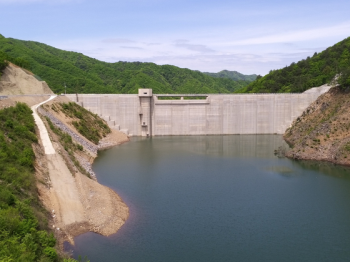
<point>234,75</point>
<point>310,72</point>
<point>83,74</point>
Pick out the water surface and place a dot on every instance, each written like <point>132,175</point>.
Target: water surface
<point>221,198</point>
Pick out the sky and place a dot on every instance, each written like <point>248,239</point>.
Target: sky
<point>250,36</point>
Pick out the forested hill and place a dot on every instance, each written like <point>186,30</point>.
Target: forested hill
<point>234,75</point>
<point>83,74</point>
<point>310,72</point>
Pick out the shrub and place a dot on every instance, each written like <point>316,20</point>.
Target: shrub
<point>51,253</point>
<point>21,237</point>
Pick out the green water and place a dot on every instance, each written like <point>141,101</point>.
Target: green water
<point>221,198</point>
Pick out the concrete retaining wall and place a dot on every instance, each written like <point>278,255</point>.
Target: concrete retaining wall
<point>213,115</point>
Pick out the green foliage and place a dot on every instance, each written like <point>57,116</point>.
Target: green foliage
<point>83,74</point>
<point>344,78</point>
<point>347,147</point>
<point>22,237</point>
<point>3,62</point>
<point>89,125</point>
<point>5,58</point>
<point>310,72</point>
<point>50,253</point>
<point>16,154</point>
<point>234,75</point>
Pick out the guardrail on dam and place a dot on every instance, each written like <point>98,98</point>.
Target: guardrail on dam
<point>148,114</point>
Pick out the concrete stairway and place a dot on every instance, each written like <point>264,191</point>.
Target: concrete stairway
<point>111,123</point>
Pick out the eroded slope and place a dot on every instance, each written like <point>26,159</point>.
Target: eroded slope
<point>18,81</point>
<point>323,130</point>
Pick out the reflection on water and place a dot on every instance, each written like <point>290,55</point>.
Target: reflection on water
<point>221,198</point>
<point>326,168</point>
<point>261,146</point>
<point>286,171</point>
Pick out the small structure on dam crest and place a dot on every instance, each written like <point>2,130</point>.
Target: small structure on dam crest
<point>145,96</point>
<point>145,114</point>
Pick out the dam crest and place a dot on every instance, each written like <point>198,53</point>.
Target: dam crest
<point>148,114</point>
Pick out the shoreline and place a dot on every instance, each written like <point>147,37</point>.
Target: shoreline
<point>317,159</point>
<point>73,202</point>
<point>79,204</point>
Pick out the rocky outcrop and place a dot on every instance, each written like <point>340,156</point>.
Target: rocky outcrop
<point>322,132</point>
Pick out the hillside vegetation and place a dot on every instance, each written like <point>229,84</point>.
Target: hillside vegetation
<point>23,223</point>
<point>86,123</point>
<point>234,75</point>
<point>313,71</point>
<point>83,74</point>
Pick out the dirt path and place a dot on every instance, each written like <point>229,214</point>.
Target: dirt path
<point>68,207</point>
<point>65,200</point>
<point>49,150</point>
<point>78,204</point>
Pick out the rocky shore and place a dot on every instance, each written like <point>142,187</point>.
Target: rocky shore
<point>322,132</point>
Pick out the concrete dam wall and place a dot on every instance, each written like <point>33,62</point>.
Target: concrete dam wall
<point>147,114</point>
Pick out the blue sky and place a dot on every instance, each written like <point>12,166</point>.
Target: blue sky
<point>247,36</point>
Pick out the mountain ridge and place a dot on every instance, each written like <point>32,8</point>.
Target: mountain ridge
<point>234,75</point>
<point>313,71</point>
<point>83,74</point>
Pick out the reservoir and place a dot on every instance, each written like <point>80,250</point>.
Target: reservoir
<point>221,198</point>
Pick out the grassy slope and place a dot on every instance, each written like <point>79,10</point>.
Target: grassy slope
<point>86,123</point>
<point>313,71</point>
<point>23,235</point>
<point>87,75</point>
<point>24,231</point>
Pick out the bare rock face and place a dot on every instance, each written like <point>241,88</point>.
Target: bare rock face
<point>322,132</point>
<point>18,81</point>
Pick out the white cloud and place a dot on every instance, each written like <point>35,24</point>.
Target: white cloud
<point>117,41</point>
<point>297,36</point>
<point>187,55</point>
<point>193,47</point>
<point>216,51</point>
<point>132,47</point>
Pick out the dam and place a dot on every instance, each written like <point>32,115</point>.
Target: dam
<point>148,114</point>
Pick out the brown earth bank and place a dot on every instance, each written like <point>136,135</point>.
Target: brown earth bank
<point>322,131</point>
<point>76,203</point>
<point>29,100</point>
